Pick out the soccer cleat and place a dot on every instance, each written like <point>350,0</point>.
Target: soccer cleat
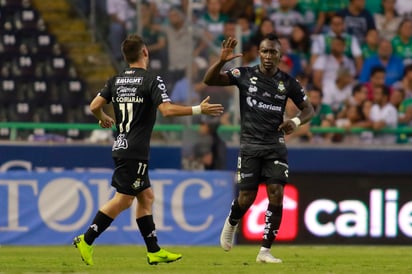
<point>86,251</point>
<point>266,257</point>
<point>162,256</point>
<point>227,237</point>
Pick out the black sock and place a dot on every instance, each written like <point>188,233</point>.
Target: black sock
<point>273,218</point>
<point>148,231</point>
<point>236,213</point>
<point>100,223</point>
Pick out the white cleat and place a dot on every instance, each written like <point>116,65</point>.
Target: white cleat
<point>266,257</point>
<point>227,237</point>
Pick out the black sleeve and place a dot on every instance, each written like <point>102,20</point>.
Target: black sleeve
<point>235,74</point>
<point>159,91</point>
<point>105,92</point>
<point>296,92</point>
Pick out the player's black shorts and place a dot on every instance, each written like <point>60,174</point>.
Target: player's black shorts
<point>130,176</point>
<point>256,167</point>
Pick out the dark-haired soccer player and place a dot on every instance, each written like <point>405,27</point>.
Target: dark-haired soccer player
<point>263,91</point>
<point>136,95</point>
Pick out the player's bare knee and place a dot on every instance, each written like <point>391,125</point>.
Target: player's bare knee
<point>275,194</point>
<point>246,198</point>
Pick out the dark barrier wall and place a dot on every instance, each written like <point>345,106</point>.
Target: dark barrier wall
<point>79,157</point>
<point>370,161</point>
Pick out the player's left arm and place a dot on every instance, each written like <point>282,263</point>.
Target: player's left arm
<point>169,109</point>
<point>305,115</point>
<point>306,110</point>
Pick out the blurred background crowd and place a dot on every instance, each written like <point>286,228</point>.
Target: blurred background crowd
<point>354,57</point>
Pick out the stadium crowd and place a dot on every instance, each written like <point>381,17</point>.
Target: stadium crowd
<point>354,57</point>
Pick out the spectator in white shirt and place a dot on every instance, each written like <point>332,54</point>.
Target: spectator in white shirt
<point>286,17</point>
<point>325,68</point>
<point>383,115</point>
<point>404,8</point>
<point>387,22</point>
<point>337,93</point>
<point>322,42</point>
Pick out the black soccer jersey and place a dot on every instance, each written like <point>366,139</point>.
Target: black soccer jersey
<point>135,94</point>
<point>262,104</point>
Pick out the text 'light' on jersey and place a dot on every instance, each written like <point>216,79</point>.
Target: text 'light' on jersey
<point>262,103</point>
<point>135,94</point>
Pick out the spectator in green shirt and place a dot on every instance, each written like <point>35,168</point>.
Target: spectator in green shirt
<point>309,10</point>
<point>405,120</point>
<point>370,47</point>
<point>402,43</point>
<point>327,8</point>
<point>373,6</point>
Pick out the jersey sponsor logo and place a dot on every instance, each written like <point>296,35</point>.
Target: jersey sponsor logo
<point>269,106</point>
<point>235,72</point>
<point>253,222</point>
<point>253,103</point>
<point>127,95</point>
<point>129,80</point>
<point>129,72</point>
<point>120,142</point>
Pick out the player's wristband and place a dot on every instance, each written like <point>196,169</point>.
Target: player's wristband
<point>296,121</point>
<point>196,110</point>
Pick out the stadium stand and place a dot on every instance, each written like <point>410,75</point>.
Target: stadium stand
<point>49,63</point>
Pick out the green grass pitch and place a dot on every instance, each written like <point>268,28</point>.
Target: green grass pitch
<point>201,259</point>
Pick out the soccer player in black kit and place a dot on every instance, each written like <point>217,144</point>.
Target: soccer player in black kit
<point>263,92</point>
<point>136,95</point>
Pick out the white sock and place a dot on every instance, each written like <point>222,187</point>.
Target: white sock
<point>264,249</point>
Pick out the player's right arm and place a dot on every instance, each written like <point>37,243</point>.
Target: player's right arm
<point>96,107</point>
<point>214,76</point>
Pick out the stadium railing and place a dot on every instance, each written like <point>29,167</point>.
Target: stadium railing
<point>15,126</point>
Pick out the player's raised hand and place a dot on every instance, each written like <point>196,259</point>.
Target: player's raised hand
<point>211,109</point>
<point>227,54</point>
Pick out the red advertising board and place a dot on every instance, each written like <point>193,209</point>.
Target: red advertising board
<point>254,219</point>
<point>331,208</point>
